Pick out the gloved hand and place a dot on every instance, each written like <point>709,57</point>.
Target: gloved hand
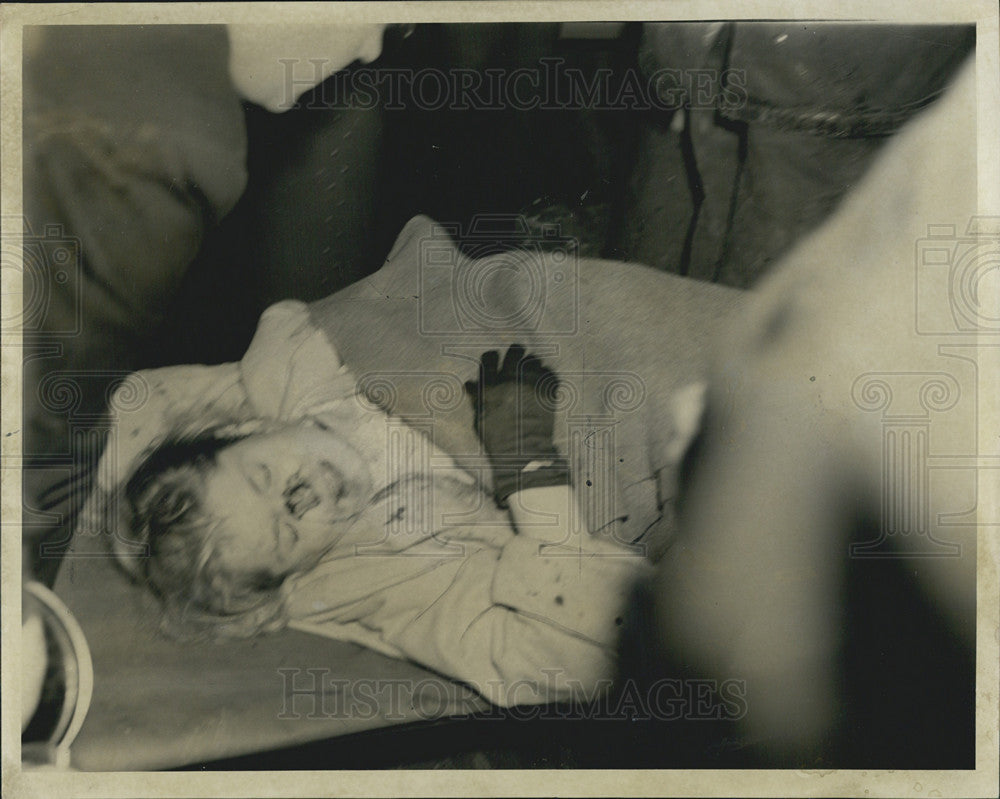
<point>513,422</point>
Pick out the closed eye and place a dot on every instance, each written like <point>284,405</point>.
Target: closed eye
<point>259,477</point>
<point>285,536</point>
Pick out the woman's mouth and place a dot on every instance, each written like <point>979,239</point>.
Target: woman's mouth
<point>300,497</point>
<point>334,481</point>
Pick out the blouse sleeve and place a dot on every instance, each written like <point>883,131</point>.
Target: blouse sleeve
<point>291,369</point>
<point>153,403</point>
<point>519,621</point>
<point>521,627</point>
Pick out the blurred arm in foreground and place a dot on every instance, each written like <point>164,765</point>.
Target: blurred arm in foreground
<point>791,469</point>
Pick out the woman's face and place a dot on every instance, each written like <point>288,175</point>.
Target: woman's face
<point>284,498</point>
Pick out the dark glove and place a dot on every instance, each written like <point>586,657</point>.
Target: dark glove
<point>514,423</point>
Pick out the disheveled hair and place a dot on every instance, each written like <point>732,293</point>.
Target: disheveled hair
<point>165,500</point>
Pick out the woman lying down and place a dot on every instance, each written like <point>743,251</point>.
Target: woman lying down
<point>269,494</point>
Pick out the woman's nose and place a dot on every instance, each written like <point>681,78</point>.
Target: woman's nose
<point>286,535</point>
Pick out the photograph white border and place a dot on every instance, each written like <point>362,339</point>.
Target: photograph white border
<point>981,782</point>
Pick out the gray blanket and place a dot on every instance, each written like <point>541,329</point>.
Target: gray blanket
<point>623,338</point>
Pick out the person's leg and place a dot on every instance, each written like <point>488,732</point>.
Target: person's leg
<point>817,103</point>
<point>781,121</point>
<point>789,183</point>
